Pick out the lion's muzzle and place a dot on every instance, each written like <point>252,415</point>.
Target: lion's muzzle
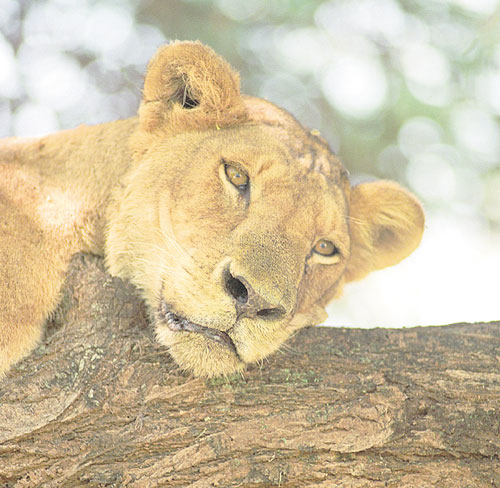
<point>176,323</point>
<point>247,301</point>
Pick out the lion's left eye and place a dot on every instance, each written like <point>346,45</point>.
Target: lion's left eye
<point>325,248</point>
<point>237,177</point>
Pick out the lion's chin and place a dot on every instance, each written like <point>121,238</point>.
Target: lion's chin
<point>204,351</point>
<point>198,355</point>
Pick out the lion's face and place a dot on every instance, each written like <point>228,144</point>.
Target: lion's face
<point>238,226</point>
<point>248,224</point>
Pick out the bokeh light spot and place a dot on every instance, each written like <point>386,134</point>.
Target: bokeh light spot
<point>106,27</point>
<point>355,86</point>
<point>478,133</point>
<point>33,119</point>
<point>54,80</point>
<point>417,133</point>
<point>432,177</point>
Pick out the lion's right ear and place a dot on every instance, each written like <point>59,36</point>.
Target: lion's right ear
<point>386,225</point>
<point>189,87</point>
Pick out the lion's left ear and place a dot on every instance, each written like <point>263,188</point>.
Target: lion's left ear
<point>386,225</point>
<point>189,87</point>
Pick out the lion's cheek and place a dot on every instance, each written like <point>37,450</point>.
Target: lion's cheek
<point>255,340</point>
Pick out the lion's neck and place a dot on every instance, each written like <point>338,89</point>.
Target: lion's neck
<point>64,181</point>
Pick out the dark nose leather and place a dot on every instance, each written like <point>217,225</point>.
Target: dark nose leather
<point>248,302</point>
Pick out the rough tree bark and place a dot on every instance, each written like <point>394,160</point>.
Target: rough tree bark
<point>101,404</point>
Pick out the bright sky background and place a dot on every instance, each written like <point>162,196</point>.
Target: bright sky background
<point>452,277</point>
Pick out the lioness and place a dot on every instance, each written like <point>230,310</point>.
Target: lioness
<point>236,223</point>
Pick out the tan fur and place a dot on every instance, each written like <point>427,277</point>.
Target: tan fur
<point>151,195</point>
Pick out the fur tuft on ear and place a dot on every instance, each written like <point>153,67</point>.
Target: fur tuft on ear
<point>386,224</point>
<point>189,87</point>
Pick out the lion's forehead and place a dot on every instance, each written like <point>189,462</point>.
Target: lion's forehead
<point>320,163</point>
<point>308,151</point>
<point>317,157</point>
<point>307,148</point>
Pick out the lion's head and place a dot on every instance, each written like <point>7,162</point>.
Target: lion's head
<point>238,224</point>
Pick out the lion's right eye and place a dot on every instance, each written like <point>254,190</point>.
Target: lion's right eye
<point>325,248</point>
<point>236,177</point>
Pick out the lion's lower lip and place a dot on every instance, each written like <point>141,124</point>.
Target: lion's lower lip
<point>176,323</point>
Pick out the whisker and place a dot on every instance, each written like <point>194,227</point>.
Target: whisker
<point>355,220</point>
<point>180,251</point>
<point>167,239</point>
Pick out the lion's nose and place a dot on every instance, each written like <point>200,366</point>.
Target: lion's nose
<point>247,301</point>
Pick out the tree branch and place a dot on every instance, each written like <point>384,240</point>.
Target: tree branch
<point>100,403</point>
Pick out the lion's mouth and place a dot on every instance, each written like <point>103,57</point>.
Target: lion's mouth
<point>176,323</point>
